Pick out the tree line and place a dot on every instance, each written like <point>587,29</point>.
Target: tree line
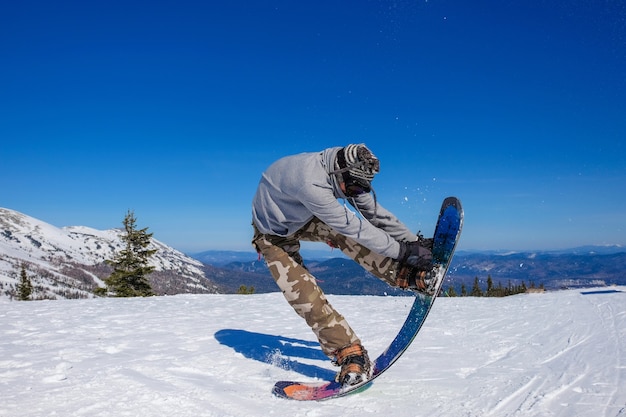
<point>491,290</point>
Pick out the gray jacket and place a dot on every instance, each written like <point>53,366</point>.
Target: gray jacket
<point>297,188</point>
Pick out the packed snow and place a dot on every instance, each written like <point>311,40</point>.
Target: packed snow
<point>554,354</point>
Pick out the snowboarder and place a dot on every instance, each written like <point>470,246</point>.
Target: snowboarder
<point>298,200</point>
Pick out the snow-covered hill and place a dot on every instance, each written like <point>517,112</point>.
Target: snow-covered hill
<point>559,354</point>
<point>69,262</point>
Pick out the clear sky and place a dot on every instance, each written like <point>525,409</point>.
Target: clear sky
<point>173,109</point>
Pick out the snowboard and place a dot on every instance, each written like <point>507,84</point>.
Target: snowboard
<point>445,239</point>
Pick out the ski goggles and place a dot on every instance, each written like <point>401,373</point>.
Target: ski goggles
<point>355,186</point>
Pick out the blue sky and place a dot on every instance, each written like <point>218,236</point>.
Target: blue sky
<point>173,110</point>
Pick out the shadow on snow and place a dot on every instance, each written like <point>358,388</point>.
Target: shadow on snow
<point>279,351</point>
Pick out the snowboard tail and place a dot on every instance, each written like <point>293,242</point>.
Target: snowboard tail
<point>445,239</point>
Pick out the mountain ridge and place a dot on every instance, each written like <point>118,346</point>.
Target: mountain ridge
<point>551,269</point>
<point>69,262</point>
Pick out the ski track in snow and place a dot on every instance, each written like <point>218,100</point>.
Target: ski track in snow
<point>555,354</point>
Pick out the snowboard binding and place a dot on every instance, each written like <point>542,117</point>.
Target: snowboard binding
<point>355,365</point>
<point>422,282</point>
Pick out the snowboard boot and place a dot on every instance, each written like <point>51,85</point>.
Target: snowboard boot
<point>424,282</point>
<point>355,365</point>
<point>413,278</point>
<point>420,281</point>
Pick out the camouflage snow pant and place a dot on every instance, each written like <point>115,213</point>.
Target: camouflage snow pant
<point>282,255</point>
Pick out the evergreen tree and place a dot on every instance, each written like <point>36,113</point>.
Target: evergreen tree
<point>130,265</point>
<point>490,288</point>
<point>245,290</point>
<point>500,290</point>
<point>476,291</point>
<point>452,292</point>
<point>463,290</point>
<point>25,287</point>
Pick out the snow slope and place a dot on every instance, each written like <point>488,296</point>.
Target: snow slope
<point>553,354</point>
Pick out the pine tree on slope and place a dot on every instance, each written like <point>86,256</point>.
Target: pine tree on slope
<point>25,287</point>
<point>130,265</point>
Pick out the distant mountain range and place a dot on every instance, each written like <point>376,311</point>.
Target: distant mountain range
<point>69,262</point>
<point>579,267</point>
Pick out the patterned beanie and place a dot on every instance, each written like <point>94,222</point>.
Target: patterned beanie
<point>359,162</point>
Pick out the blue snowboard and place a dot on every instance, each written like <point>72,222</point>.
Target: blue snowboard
<point>447,232</point>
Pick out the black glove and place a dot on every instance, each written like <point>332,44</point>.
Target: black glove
<point>426,242</point>
<point>414,255</point>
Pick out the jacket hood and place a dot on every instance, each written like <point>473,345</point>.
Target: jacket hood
<point>329,159</point>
